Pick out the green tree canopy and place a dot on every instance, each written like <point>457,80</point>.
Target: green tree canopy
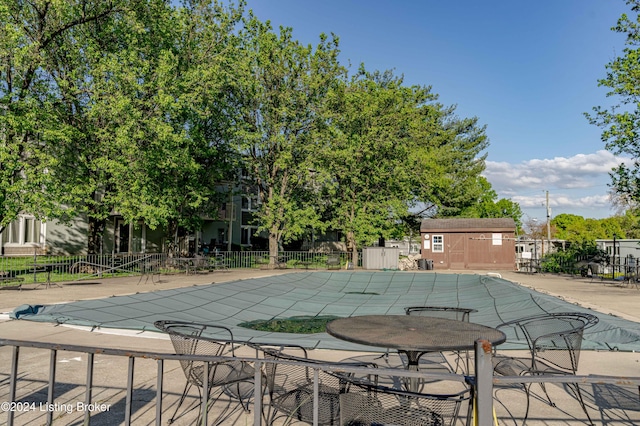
<point>580,231</point>
<point>488,205</point>
<point>389,148</point>
<point>145,109</point>
<point>448,159</point>
<point>39,62</point>
<point>121,106</point>
<point>282,87</point>
<point>621,121</point>
<point>365,152</point>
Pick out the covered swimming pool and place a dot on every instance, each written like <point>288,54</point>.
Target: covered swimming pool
<point>340,293</point>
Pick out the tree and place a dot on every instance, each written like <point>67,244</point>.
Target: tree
<point>630,223</point>
<point>389,148</point>
<point>621,121</point>
<point>366,154</point>
<point>283,85</point>
<point>612,226</point>
<point>566,225</point>
<point>580,231</point>
<point>83,182</point>
<point>448,161</point>
<point>34,42</point>
<point>488,206</point>
<point>148,104</point>
<point>172,108</point>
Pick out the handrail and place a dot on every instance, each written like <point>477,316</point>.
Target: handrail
<point>482,387</point>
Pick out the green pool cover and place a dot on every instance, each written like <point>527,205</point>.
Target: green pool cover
<point>340,294</point>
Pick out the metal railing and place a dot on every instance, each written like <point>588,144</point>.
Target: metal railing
<point>482,382</point>
<point>41,268</point>
<point>285,259</point>
<point>46,268</point>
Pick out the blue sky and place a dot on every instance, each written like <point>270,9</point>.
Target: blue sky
<point>527,70</point>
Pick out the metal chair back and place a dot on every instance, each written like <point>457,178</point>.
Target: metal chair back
<point>554,340</point>
<point>367,404</point>
<point>447,312</point>
<point>454,313</point>
<point>290,386</point>
<point>190,338</point>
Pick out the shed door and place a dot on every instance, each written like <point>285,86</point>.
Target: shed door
<point>457,251</point>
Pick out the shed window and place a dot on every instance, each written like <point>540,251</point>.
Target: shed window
<point>437,243</point>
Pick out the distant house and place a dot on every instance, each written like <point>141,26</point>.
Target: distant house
<point>621,251</point>
<point>28,236</point>
<point>407,245</point>
<point>465,243</point>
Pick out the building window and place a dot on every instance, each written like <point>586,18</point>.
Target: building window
<point>31,230</point>
<point>247,218</point>
<point>24,230</point>
<point>437,242</point>
<point>246,233</point>
<point>250,202</point>
<point>14,234</point>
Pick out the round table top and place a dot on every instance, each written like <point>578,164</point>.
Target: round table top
<point>412,333</point>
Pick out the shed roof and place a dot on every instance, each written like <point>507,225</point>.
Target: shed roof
<point>484,224</point>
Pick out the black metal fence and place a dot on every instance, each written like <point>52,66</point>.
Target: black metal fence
<point>43,268</point>
<point>618,268</point>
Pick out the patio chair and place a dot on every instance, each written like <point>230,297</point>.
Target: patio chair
<point>201,263</point>
<point>219,262</point>
<point>231,377</point>
<point>368,404</point>
<point>554,341</point>
<point>454,313</point>
<point>460,314</point>
<point>290,385</point>
<point>148,269</point>
<point>333,261</point>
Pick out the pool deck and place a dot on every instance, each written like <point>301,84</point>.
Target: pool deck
<point>605,297</point>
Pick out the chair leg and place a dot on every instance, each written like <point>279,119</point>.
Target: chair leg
<point>467,362</point>
<point>582,403</point>
<point>182,398</point>
<point>544,388</point>
<point>384,355</point>
<point>527,390</point>
<point>223,415</point>
<point>462,362</point>
<point>578,395</point>
<point>246,407</point>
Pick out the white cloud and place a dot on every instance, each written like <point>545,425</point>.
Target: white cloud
<point>577,184</point>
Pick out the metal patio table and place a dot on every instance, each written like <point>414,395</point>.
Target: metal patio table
<point>413,335</point>
<point>48,268</point>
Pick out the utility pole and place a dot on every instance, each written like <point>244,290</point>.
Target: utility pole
<point>548,225</point>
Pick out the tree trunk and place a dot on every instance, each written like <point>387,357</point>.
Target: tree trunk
<point>172,230</point>
<point>273,248</point>
<point>96,232</point>
<point>352,247</point>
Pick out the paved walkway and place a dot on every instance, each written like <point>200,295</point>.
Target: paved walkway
<point>34,367</point>
<point>606,296</point>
